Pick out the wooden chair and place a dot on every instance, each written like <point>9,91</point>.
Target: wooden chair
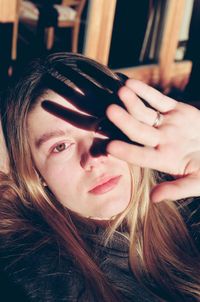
<point>15,31</point>
<point>69,15</point>
<point>9,14</point>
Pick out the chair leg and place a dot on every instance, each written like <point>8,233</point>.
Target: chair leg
<point>49,37</point>
<point>75,34</point>
<point>14,40</point>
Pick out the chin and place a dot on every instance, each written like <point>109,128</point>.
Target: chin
<point>111,211</point>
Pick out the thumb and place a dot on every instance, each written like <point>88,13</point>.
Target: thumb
<point>186,186</point>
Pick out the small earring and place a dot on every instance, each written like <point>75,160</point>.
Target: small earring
<point>44,184</point>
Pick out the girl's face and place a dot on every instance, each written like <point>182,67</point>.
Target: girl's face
<point>97,187</point>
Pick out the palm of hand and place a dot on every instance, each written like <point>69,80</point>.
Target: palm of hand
<point>172,148</point>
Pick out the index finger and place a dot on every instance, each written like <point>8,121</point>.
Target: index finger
<point>153,97</point>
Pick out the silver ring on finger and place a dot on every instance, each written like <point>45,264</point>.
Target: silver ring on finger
<point>158,120</point>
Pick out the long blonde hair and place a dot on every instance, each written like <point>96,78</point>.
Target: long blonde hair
<point>162,254</point>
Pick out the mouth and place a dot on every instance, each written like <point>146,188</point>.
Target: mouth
<point>105,186</point>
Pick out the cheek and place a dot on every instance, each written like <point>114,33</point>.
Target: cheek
<point>58,173</point>
<point>63,183</point>
<point>61,174</point>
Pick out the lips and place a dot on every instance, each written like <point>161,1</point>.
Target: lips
<point>105,185</point>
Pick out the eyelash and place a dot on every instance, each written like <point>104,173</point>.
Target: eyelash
<point>67,146</point>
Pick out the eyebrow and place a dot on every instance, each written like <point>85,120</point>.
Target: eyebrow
<point>49,135</point>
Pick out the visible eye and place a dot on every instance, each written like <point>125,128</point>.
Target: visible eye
<point>61,147</point>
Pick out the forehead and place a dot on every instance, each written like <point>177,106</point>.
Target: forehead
<point>55,97</point>
<point>40,120</point>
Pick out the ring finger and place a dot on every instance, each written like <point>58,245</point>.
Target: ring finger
<point>136,107</point>
<point>135,130</point>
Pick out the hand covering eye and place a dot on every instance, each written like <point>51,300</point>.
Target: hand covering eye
<point>92,92</point>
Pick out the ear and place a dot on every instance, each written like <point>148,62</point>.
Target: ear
<point>42,181</point>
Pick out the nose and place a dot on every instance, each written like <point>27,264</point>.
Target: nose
<point>91,160</point>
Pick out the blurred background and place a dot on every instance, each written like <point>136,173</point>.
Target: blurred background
<point>156,41</point>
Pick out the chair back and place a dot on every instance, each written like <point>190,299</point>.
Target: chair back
<point>78,5</point>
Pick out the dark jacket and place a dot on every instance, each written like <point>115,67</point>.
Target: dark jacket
<point>34,268</point>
